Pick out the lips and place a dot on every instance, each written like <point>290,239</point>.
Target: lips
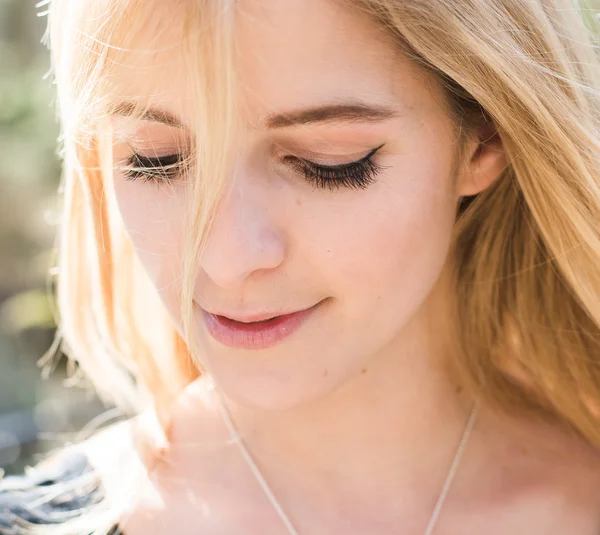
<point>255,332</point>
<point>252,318</point>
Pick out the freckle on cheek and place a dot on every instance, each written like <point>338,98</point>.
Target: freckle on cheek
<point>363,371</point>
<point>325,373</point>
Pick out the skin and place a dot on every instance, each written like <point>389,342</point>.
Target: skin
<point>353,419</point>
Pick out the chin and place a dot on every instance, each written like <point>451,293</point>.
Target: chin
<point>269,390</point>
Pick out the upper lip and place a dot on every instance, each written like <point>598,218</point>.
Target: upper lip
<point>250,317</point>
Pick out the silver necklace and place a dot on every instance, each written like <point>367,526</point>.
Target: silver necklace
<point>235,437</point>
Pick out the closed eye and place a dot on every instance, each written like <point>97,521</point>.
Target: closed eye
<point>353,175</point>
<point>151,168</point>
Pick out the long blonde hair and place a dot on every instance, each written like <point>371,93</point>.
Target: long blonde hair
<point>526,252</point>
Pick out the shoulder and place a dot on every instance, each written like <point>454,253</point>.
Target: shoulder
<point>111,467</point>
<point>52,493</point>
<point>200,480</point>
<point>111,470</point>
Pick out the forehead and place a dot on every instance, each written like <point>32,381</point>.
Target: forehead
<point>307,50</point>
<point>287,54</point>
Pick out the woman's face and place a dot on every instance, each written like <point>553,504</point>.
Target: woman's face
<point>357,251</point>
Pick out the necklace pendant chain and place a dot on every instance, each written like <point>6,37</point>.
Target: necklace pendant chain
<point>237,439</point>
<point>462,445</point>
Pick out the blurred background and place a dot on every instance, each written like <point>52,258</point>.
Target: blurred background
<point>36,414</point>
<point>38,411</point>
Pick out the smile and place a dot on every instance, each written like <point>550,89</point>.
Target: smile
<point>260,333</point>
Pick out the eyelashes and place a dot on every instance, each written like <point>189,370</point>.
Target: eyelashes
<point>354,175</point>
<point>154,168</point>
<point>359,174</point>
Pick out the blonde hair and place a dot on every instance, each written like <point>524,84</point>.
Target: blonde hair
<point>526,251</point>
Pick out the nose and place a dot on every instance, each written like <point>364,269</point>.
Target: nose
<point>244,238</point>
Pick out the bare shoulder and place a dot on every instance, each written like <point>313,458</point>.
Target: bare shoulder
<point>129,443</point>
<point>536,474</point>
<point>201,483</point>
<point>128,450</point>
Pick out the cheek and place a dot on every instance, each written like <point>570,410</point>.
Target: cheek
<point>152,217</point>
<point>391,248</point>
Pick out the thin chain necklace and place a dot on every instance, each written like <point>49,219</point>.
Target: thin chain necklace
<point>235,436</point>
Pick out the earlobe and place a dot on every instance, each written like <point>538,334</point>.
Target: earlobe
<point>485,164</point>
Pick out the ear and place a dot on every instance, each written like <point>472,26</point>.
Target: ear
<point>485,162</point>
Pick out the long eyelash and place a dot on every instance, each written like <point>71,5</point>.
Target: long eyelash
<point>355,175</point>
<point>155,168</point>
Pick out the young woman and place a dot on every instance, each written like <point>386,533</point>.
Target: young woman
<point>339,262</point>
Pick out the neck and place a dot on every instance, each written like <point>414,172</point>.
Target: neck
<point>391,431</point>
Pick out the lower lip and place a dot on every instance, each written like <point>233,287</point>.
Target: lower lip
<point>256,335</point>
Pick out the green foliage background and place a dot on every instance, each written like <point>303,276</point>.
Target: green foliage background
<point>35,414</point>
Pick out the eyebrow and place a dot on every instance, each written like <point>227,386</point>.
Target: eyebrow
<point>158,115</point>
<point>333,113</point>
<point>326,114</point>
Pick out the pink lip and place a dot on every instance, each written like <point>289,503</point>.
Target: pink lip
<point>256,334</point>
